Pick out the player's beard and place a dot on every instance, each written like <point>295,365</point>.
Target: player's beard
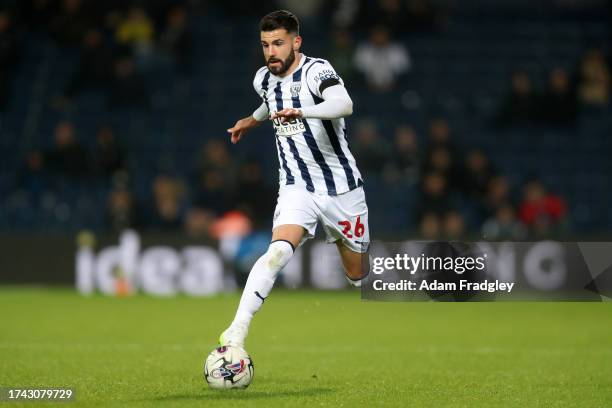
<point>284,64</point>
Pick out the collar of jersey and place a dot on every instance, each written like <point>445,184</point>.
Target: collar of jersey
<point>290,75</point>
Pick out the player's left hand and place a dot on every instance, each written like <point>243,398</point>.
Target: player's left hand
<point>287,115</point>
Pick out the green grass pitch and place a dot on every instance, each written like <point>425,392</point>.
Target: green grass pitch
<point>310,349</point>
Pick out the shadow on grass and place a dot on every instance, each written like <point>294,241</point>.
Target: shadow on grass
<point>228,395</point>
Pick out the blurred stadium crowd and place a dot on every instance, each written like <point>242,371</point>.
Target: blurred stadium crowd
<point>472,119</point>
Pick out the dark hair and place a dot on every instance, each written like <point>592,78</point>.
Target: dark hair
<point>280,19</point>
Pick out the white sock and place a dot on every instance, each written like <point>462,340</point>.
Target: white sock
<point>354,282</point>
<point>261,279</point>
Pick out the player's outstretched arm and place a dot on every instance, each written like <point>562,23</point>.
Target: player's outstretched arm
<point>336,104</point>
<point>245,124</point>
<point>241,127</point>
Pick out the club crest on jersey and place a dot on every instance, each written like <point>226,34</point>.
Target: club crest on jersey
<point>295,89</point>
<point>286,129</point>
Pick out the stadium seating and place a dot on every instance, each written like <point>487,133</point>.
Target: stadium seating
<point>461,73</point>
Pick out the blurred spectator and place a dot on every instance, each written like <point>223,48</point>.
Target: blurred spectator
<point>344,14</point>
<point>215,155</point>
<point>435,197</point>
<point>542,212</point>
<point>121,210</point>
<point>32,177</point>
<point>498,195</point>
<point>68,157</point>
<point>93,71</point>
<point>341,54</point>
<point>440,136</point>
<point>211,192</point>
<point>477,174</point>
<point>177,40</point>
<point>381,60</point>
<point>253,196</point>
<point>441,154</point>
<point>108,156</point>
<point>215,178</point>
<point>128,88</point>
<point>439,160</point>
<point>371,150</point>
<point>504,225</point>
<point>136,31</point>
<point>390,14</point>
<point>8,57</point>
<point>404,164</point>
<point>439,133</point>
<point>520,106</point>
<point>198,222</point>
<point>70,24</point>
<point>594,79</point>
<point>454,226</point>
<point>168,194</point>
<point>559,104</point>
<point>430,226</point>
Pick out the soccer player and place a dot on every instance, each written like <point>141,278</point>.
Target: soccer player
<point>319,180</point>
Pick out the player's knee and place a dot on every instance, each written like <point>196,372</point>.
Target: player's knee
<point>278,255</point>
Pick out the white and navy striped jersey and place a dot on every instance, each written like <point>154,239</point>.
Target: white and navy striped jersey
<point>312,153</point>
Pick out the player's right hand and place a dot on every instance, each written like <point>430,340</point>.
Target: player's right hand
<point>241,127</point>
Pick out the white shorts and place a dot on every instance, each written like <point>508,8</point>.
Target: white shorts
<point>344,217</point>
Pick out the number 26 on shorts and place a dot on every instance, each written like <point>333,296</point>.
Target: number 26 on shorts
<point>358,231</point>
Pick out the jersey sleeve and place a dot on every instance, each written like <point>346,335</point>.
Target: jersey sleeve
<point>257,82</point>
<point>321,75</point>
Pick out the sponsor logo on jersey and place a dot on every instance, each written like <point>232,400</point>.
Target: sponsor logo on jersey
<point>326,74</point>
<point>286,129</point>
